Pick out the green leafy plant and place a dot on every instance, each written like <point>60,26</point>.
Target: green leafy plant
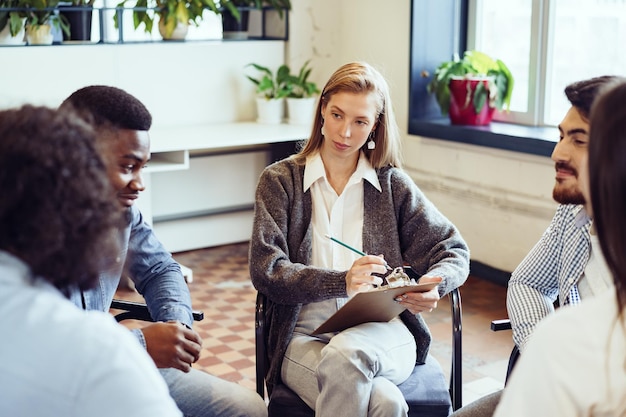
<point>170,11</point>
<point>15,19</point>
<point>497,92</point>
<point>42,12</point>
<point>270,85</point>
<point>299,86</point>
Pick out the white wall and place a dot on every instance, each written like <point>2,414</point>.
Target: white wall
<point>182,83</point>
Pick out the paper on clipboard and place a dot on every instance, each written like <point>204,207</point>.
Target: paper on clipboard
<point>378,305</point>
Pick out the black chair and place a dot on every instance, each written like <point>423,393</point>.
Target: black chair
<point>139,311</point>
<point>425,391</point>
<point>505,324</point>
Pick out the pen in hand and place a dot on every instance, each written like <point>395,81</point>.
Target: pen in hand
<point>353,249</point>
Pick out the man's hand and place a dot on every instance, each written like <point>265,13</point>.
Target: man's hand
<point>172,345</point>
<point>418,302</point>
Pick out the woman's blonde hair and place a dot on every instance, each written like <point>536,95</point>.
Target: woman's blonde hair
<point>360,78</point>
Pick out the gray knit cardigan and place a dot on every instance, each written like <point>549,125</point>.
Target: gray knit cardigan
<point>399,222</point>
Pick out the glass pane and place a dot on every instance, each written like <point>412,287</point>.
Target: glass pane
<point>589,39</point>
<point>503,31</point>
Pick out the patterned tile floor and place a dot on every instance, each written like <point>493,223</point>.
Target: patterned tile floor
<point>221,288</point>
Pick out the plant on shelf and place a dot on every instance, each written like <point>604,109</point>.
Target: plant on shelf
<point>270,85</point>
<point>12,21</point>
<point>41,14</point>
<point>173,15</point>
<point>302,95</point>
<point>474,85</point>
<point>79,15</point>
<point>235,14</point>
<point>299,85</point>
<point>271,89</point>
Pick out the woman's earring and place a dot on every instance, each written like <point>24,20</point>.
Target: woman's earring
<point>322,128</point>
<point>371,144</point>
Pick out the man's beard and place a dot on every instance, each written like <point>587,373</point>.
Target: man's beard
<point>567,195</point>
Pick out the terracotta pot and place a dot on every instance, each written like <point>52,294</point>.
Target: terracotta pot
<point>461,103</point>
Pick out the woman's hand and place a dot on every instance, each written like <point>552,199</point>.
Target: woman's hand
<point>418,302</point>
<point>359,277</point>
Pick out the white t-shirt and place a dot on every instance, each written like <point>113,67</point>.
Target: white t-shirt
<point>57,360</point>
<point>573,365</point>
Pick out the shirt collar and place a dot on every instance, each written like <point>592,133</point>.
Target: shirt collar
<point>581,218</point>
<point>314,170</point>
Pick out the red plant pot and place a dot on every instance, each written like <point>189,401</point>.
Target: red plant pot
<point>461,104</point>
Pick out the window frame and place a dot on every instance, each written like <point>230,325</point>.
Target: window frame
<point>432,44</point>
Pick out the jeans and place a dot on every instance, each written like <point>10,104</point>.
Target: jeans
<point>356,373</point>
<point>199,394</point>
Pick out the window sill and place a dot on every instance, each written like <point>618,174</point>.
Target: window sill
<point>512,137</point>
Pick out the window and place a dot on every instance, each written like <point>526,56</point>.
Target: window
<point>548,44</point>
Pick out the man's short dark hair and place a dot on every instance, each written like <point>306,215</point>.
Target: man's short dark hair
<point>110,106</point>
<point>582,93</point>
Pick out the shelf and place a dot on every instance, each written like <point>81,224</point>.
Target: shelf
<point>264,25</point>
<point>168,161</point>
<point>223,136</point>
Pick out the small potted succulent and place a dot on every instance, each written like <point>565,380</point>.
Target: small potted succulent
<point>471,88</point>
<point>271,89</point>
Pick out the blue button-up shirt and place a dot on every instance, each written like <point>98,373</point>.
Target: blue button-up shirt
<point>157,276</point>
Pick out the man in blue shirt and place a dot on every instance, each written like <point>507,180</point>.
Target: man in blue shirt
<point>122,123</point>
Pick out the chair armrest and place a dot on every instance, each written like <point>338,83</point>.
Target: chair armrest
<point>259,336</point>
<point>139,311</point>
<point>456,373</point>
<point>503,324</point>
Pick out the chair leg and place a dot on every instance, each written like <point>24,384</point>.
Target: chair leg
<point>512,360</point>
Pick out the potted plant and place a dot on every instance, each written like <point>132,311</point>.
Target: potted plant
<point>301,97</point>
<point>79,15</point>
<point>12,22</point>
<point>40,16</point>
<point>271,88</point>
<point>235,14</point>
<point>175,16</point>
<point>471,88</point>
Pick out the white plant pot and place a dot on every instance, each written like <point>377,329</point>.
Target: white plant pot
<point>271,111</point>
<point>7,39</point>
<point>301,111</point>
<point>39,35</point>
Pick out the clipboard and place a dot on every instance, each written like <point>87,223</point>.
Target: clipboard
<point>373,306</point>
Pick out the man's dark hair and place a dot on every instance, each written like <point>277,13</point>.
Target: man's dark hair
<point>110,106</point>
<point>57,211</point>
<point>582,93</point>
